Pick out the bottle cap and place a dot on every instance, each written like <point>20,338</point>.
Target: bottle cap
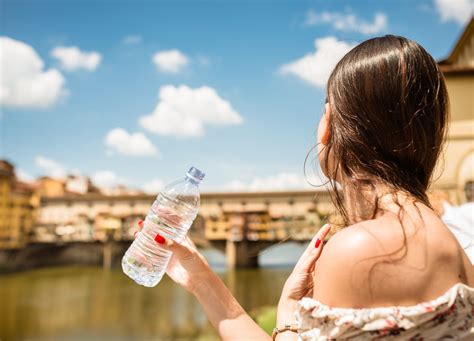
<point>195,174</point>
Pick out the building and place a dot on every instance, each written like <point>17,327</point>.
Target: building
<point>18,203</point>
<point>268,215</point>
<point>264,215</point>
<point>51,187</point>
<point>78,184</point>
<point>86,217</point>
<point>457,167</point>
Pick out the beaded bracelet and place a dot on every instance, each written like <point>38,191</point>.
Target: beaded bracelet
<point>286,328</point>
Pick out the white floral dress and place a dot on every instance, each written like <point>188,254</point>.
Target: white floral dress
<point>448,317</point>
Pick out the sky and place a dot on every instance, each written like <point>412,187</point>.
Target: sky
<point>135,92</point>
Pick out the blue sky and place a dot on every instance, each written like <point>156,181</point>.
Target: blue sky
<point>225,56</point>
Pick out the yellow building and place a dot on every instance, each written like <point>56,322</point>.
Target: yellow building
<point>108,226</point>
<point>18,201</point>
<point>50,187</point>
<point>457,177</point>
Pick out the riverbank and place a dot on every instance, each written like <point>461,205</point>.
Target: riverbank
<point>40,255</point>
<point>78,303</point>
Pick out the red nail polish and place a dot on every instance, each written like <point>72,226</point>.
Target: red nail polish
<point>159,239</point>
<point>140,223</point>
<point>318,242</point>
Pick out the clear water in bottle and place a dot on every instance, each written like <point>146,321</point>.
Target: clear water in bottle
<point>171,216</point>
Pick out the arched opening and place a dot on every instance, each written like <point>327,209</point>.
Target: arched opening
<point>465,178</point>
<point>469,191</point>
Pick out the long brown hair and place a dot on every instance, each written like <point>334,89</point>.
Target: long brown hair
<point>388,122</point>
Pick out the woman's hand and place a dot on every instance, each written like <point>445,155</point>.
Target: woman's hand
<point>300,283</point>
<point>187,266</point>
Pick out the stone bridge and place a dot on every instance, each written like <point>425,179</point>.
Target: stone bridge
<point>239,224</point>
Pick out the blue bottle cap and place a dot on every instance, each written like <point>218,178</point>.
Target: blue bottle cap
<point>195,174</point>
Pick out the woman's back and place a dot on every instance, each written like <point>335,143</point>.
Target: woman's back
<point>391,260</point>
<point>401,276</point>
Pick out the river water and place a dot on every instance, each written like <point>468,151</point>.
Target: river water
<point>89,303</point>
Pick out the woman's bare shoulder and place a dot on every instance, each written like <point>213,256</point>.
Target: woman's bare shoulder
<point>380,262</point>
<point>342,271</point>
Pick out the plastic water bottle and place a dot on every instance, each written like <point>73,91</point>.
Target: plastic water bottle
<point>171,216</point>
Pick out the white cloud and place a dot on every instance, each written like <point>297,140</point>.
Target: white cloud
<point>72,58</point>
<point>277,182</point>
<point>459,11</point>
<point>24,176</point>
<point>170,61</point>
<point>135,144</point>
<point>183,111</point>
<point>50,167</point>
<point>315,68</point>
<point>348,21</point>
<point>23,81</point>
<point>153,186</point>
<point>107,179</point>
<point>132,39</point>
<point>75,172</point>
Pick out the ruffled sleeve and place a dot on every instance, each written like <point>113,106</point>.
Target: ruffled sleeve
<point>451,314</point>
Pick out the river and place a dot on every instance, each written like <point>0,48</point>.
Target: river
<point>89,303</point>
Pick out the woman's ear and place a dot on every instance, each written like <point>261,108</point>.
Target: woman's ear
<point>326,125</point>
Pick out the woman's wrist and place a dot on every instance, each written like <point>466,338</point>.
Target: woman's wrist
<point>225,313</point>
<point>286,317</point>
<point>286,312</point>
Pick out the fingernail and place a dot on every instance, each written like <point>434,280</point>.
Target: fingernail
<point>159,239</point>
<point>140,223</point>
<point>318,242</point>
<point>135,233</point>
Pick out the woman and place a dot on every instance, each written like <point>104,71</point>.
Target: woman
<point>395,269</point>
